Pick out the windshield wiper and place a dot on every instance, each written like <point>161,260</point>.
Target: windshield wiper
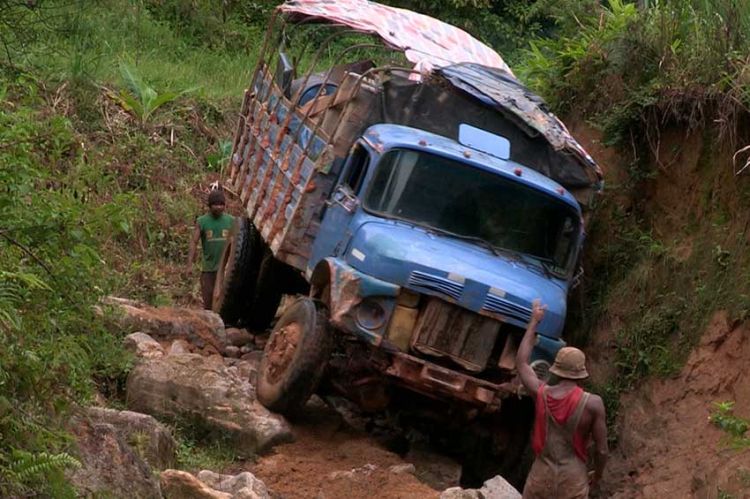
<point>547,265</point>
<point>495,250</point>
<point>550,269</point>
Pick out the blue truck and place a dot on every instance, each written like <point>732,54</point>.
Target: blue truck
<point>415,201</point>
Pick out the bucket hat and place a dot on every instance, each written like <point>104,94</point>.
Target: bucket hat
<point>570,363</point>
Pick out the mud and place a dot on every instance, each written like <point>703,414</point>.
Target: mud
<point>331,460</point>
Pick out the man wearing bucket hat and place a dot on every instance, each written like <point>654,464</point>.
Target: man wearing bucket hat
<point>566,419</point>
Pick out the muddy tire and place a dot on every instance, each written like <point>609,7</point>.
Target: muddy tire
<point>238,272</point>
<point>295,357</point>
<point>500,445</point>
<point>267,294</point>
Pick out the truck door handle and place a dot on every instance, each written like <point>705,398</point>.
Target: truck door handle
<point>343,199</point>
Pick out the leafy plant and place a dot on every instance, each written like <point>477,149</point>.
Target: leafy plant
<point>141,99</point>
<point>218,158</point>
<point>735,427</point>
<point>55,345</point>
<point>27,466</point>
<point>196,453</point>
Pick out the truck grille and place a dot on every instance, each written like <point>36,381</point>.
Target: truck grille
<point>435,284</point>
<point>507,308</point>
<point>446,330</point>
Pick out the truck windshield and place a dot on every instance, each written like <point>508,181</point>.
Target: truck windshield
<point>450,196</point>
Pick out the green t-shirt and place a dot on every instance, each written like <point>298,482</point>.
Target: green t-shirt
<point>214,235</point>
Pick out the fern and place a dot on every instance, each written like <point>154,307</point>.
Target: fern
<point>27,466</point>
<point>12,285</point>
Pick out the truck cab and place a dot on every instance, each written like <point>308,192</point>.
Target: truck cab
<point>449,246</point>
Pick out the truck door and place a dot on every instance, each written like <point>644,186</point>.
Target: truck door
<point>334,232</point>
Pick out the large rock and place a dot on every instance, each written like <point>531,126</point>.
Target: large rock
<point>149,438</point>
<point>143,346</point>
<point>209,485</point>
<point>499,488</point>
<point>204,390</point>
<point>110,467</point>
<point>177,484</point>
<point>202,328</point>
<point>494,488</point>
<point>242,486</point>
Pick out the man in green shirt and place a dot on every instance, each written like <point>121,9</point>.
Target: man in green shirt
<point>213,230</point>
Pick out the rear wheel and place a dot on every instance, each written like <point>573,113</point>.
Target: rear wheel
<point>266,295</point>
<point>237,273</point>
<point>295,357</point>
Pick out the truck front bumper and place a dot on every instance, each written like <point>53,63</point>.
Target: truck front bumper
<point>435,381</point>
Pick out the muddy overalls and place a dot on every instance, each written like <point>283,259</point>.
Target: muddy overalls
<point>557,472</point>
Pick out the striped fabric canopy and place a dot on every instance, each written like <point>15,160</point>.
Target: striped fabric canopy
<point>425,41</point>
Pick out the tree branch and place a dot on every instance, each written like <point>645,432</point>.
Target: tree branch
<point>27,251</point>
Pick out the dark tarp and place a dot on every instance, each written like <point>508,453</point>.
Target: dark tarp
<point>498,89</point>
<point>439,106</point>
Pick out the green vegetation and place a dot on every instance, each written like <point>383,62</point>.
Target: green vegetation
<point>56,344</point>
<point>634,70</point>
<point>141,99</point>
<point>102,159</point>
<point>198,452</point>
<point>735,427</point>
<point>83,42</point>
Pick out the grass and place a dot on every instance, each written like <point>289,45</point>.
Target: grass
<point>735,427</point>
<point>96,202</point>
<point>634,70</point>
<point>92,39</point>
<point>196,452</point>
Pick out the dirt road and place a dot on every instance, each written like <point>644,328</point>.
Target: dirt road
<point>331,460</point>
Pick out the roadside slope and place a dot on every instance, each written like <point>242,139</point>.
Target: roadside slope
<point>668,447</point>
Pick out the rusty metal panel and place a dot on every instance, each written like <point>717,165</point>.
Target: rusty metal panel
<point>438,382</point>
<point>280,167</point>
<point>446,330</point>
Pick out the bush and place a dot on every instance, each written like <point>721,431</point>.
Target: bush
<point>633,69</point>
<point>55,343</point>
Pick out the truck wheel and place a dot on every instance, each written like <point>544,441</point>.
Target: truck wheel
<point>500,445</point>
<point>267,293</point>
<point>295,357</point>
<point>238,270</point>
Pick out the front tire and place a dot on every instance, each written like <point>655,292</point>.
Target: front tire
<point>295,357</point>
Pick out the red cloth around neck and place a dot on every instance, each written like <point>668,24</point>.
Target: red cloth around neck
<point>561,410</point>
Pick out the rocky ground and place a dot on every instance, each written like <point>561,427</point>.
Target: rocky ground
<point>189,367</point>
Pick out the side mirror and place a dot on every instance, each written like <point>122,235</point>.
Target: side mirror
<point>284,74</point>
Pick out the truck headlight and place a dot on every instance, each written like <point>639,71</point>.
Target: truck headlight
<point>370,314</point>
